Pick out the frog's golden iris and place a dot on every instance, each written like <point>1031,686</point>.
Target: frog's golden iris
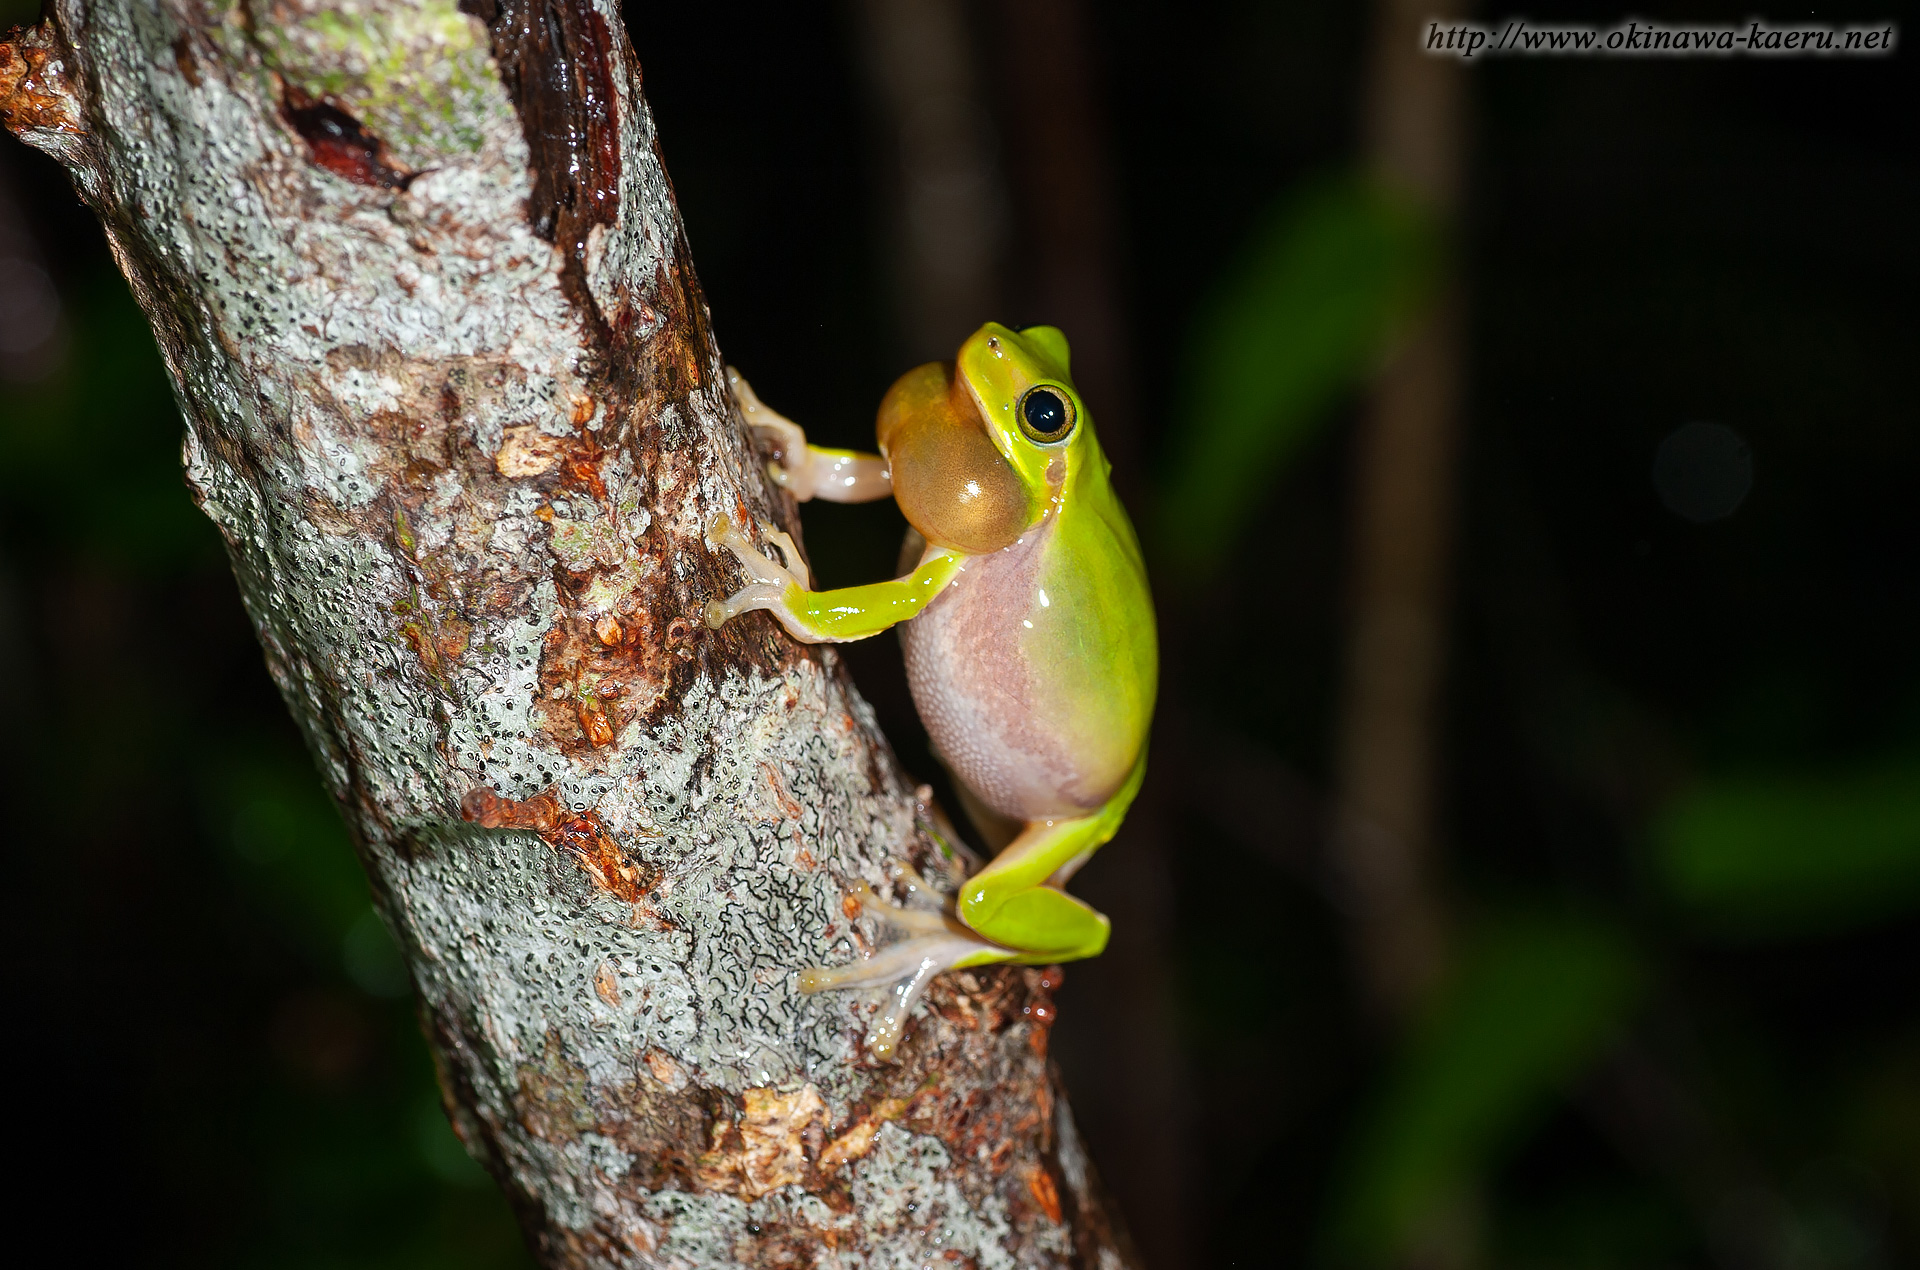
<point>1046,414</point>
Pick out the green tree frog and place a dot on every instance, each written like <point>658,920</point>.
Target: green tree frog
<point>1028,631</point>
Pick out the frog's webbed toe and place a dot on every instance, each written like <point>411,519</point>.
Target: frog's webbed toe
<point>773,583</point>
<point>935,942</point>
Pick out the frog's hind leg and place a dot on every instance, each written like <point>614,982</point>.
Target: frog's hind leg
<point>1018,900</point>
<point>935,943</point>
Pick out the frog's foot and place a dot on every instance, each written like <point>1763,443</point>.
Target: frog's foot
<point>789,440</point>
<point>774,585</point>
<point>935,942</point>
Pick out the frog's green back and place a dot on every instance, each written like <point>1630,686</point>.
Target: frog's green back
<point>1103,663</point>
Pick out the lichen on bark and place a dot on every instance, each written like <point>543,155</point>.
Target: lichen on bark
<point>453,399</point>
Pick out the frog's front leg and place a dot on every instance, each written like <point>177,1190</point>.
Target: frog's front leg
<point>823,617</point>
<point>810,471</point>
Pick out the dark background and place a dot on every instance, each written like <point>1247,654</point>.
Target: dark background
<point>1680,759</point>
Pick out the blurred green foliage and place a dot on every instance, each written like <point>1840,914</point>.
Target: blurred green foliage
<point>95,445</point>
<point>1794,852</point>
<point>1303,310</point>
<point>1533,999</point>
<point>1306,311</point>
<point>364,1169</point>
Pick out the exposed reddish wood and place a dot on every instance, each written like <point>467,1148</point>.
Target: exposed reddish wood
<point>338,141</point>
<point>554,58</point>
<point>34,92</point>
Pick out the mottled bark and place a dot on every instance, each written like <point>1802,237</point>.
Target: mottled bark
<point>453,400</point>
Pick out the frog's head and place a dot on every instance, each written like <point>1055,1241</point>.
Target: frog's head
<point>982,447</point>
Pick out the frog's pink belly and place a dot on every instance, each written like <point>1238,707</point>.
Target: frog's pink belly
<point>995,709</point>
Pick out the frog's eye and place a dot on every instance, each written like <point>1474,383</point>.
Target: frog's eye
<point>1046,414</point>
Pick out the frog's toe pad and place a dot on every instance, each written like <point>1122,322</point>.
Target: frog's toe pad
<point>758,595</point>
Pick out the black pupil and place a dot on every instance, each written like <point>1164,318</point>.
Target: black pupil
<point>1046,413</point>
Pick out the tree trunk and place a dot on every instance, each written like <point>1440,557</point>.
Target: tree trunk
<point>453,400</point>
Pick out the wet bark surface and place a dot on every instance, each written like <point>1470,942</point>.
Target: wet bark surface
<point>454,402</point>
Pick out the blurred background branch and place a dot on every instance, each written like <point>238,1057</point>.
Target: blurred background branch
<point>1384,831</point>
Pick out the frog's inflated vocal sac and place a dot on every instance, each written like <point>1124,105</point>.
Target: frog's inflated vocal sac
<point>1028,629</point>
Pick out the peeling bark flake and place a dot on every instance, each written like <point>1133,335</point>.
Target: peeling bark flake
<point>583,837</point>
